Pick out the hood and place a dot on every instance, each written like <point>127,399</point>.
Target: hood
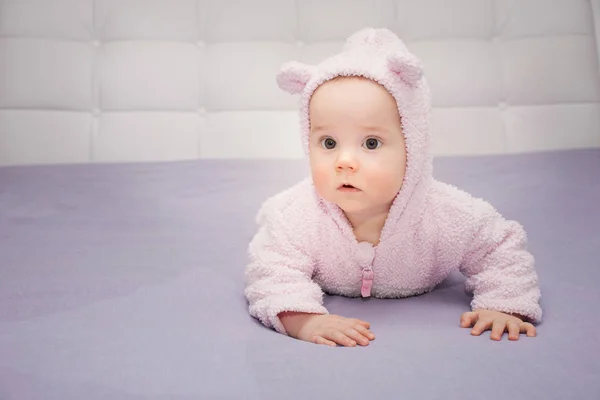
<point>379,55</point>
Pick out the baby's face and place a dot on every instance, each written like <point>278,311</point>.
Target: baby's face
<point>356,139</point>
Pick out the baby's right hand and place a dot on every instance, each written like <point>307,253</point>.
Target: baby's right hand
<point>332,330</point>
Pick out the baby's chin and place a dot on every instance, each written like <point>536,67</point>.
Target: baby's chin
<point>355,203</point>
<point>359,207</point>
<point>348,205</point>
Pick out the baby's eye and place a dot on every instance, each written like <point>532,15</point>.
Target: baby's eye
<point>328,143</point>
<point>372,143</point>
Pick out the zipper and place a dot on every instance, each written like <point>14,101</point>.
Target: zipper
<point>367,282</point>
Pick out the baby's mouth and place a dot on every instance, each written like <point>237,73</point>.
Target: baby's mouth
<point>348,188</point>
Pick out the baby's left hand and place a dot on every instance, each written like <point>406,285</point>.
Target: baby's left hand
<point>498,322</point>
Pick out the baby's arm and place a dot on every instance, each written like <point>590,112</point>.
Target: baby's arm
<point>282,294</point>
<point>499,269</point>
<point>279,275</point>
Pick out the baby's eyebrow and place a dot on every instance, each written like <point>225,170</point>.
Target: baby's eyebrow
<point>375,128</point>
<point>368,128</point>
<point>319,129</point>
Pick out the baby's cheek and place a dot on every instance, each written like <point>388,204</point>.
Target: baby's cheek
<point>321,178</point>
<point>387,184</point>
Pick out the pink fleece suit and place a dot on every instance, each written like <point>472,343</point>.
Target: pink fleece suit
<point>305,246</point>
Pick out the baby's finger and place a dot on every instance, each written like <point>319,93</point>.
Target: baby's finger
<point>365,332</point>
<point>340,338</point>
<point>481,326</point>
<point>498,327</point>
<point>362,323</point>
<point>468,319</point>
<point>513,330</point>
<point>528,328</point>
<point>322,340</point>
<point>356,336</point>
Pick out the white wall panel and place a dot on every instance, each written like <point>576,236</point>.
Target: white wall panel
<point>144,80</point>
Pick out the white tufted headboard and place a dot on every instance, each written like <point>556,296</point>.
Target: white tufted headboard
<point>145,80</point>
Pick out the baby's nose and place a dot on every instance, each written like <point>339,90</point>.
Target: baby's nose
<point>346,160</point>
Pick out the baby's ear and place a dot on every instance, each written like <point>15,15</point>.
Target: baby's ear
<point>407,67</point>
<point>293,76</point>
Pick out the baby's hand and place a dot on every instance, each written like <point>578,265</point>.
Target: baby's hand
<point>333,329</point>
<point>498,322</point>
<point>328,329</point>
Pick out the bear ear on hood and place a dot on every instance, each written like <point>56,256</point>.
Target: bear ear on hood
<point>293,76</point>
<point>407,67</point>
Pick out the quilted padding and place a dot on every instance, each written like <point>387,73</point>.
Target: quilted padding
<point>138,80</point>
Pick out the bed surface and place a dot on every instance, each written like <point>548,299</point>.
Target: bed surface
<point>126,282</point>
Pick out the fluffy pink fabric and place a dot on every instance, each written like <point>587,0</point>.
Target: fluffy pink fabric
<point>305,245</point>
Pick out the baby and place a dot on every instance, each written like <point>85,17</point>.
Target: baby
<point>371,220</point>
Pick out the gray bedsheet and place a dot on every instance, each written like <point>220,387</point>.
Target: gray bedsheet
<point>126,282</point>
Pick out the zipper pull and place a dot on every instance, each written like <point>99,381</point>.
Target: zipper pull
<point>367,282</point>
